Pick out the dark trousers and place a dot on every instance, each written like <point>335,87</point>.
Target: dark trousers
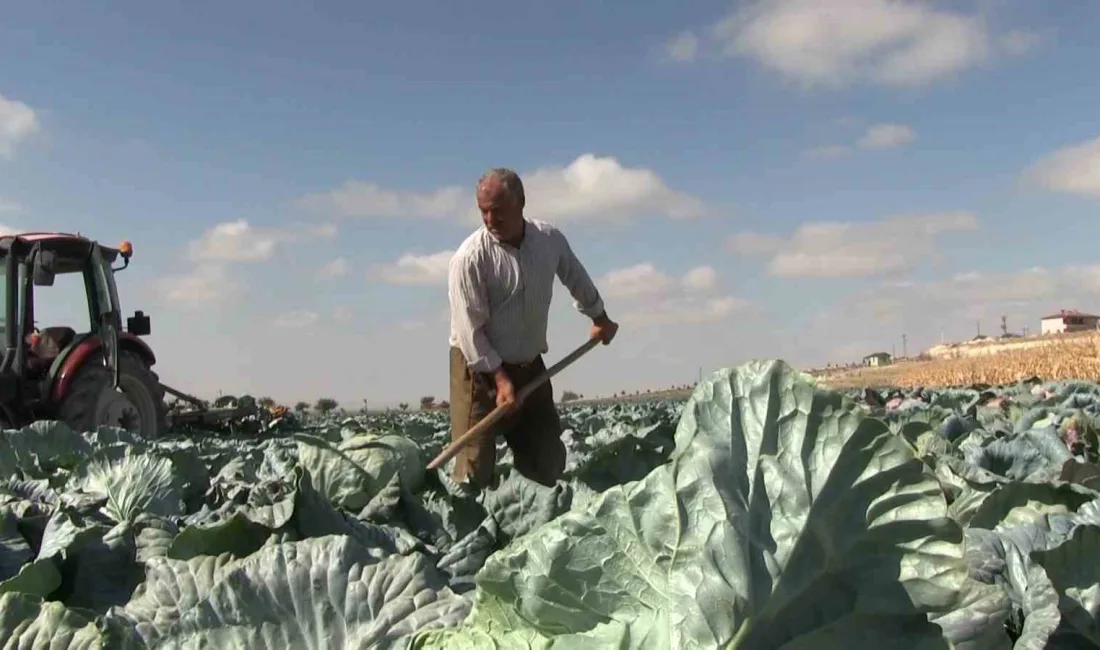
<point>533,432</point>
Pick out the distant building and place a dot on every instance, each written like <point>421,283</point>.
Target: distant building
<point>877,359</point>
<point>1068,321</point>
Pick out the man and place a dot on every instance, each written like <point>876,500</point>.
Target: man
<point>500,283</point>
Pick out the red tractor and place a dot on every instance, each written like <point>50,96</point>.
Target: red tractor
<point>86,375</point>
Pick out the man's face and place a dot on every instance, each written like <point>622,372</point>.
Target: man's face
<point>502,217</point>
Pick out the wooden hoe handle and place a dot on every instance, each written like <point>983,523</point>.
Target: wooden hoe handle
<point>499,412</point>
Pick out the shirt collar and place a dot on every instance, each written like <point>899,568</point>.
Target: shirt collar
<point>526,236</point>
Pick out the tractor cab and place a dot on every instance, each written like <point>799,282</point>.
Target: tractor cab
<point>89,371</point>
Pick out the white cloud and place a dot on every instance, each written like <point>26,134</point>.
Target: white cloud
<point>700,278</point>
<point>200,288</point>
<point>1027,285</point>
<point>368,200</point>
<point>753,243</point>
<point>685,311</point>
<point>337,268</point>
<point>1085,277</point>
<point>1073,169</point>
<point>17,123</point>
<point>1017,42</point>
<point>412,268</point>
<point>828,152</point>
<point>646,281</point>
<point>594,187</point>
<point>683,47</point>
<point>590,187</point>
<point>297,319</point>
<point>10,207</point>
<point>886,136</point>
<point>323,230</point>
<point>240,241</point>
<point>877,136</point>
<point>233,241</point>
<point>653,297</point>
<point>212,255</point>
<point>958,306</point>
<point>840,42</point>
<point>832,249</point>
<point>634,282</point>
<point>342,315</point>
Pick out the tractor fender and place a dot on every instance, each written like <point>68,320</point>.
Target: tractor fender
<point>71,360</point>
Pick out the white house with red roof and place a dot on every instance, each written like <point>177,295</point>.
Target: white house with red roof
<point>1068,321</point>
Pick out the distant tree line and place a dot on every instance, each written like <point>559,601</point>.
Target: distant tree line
<point>326,405</point>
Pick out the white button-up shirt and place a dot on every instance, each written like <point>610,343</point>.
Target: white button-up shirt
<point>500,295</point>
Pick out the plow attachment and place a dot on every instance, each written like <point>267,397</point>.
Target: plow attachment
<point>242,414</point>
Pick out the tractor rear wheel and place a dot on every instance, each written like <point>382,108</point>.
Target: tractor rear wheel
<point>137,406</point>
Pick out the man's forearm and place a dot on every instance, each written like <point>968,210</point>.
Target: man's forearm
<point>472,340</point>
<point>586,298</point>
<point>480,354</point>
<point>469,313</point>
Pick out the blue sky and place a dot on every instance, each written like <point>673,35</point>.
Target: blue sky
<point>780,179</point>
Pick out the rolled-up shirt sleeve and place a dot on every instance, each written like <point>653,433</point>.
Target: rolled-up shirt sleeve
<point>470,313</point>
<point>586,298</point>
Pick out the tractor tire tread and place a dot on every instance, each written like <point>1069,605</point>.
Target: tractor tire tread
<point>77,409</point>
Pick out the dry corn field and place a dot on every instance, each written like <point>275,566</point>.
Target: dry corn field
<point>1071,358</point>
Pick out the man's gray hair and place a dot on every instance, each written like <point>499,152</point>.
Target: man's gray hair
<point>509,179</point>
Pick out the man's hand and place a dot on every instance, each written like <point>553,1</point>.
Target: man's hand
<point>506,392</point>
<point>604,328</point>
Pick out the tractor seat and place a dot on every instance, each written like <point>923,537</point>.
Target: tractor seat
<point>59,336</point>
<point>52,340</point>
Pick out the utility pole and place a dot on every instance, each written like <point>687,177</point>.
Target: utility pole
<point>1004,325</point>
<point>904,346</point>
<point>978,324</point>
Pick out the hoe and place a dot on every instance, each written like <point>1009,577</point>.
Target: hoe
<point>89,374</point>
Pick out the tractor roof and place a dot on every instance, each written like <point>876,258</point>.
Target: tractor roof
<point>63,243</point>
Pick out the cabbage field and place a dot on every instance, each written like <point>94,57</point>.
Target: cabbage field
<point>763,513</point>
